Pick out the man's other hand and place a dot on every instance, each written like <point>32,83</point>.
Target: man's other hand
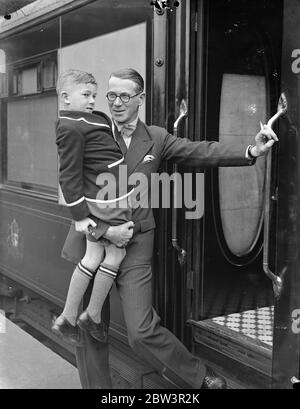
<point>120,235</point>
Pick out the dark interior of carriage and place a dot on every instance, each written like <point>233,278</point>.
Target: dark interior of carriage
<point>243,60</point>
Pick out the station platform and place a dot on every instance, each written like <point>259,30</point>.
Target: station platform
<point>25,363</point>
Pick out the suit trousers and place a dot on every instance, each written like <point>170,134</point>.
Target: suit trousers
<point>153,343</point>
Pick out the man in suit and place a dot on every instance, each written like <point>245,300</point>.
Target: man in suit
<point>154,343</point>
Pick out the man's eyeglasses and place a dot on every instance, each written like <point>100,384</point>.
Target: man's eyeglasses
<point>112,96</point>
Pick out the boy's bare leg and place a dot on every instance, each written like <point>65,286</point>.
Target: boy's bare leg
<point>104,279</point>
<point>81,277</point>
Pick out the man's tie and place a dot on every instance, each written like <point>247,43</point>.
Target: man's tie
<point>124,136</point>
<point>120,140</point>
<point>127,130</point>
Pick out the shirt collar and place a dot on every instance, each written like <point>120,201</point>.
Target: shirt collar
<point>119,127</point>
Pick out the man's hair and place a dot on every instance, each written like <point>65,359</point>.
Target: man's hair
<point>73,77</point>
<point>130,74</point>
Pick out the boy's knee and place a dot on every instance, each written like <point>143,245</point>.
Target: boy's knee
<point>114,255</point>
<point>93,255</point>
<point>91,262</point>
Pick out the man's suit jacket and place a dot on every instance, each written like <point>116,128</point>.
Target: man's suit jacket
<point>149,146</point>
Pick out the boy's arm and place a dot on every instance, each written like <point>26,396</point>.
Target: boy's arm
<point>70,146</point>
<point>84,225</point>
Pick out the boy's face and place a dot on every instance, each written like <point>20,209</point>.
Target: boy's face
<point>80,97</point>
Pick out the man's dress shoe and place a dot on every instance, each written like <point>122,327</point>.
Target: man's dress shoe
<point>212,380</point>
<point>65,330</point>
<point>97,330</point>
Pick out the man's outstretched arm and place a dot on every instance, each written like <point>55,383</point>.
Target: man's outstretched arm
<point>211,153</point>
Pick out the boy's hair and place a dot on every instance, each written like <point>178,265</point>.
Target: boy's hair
<point>73,77</point>
<point>130,74</point>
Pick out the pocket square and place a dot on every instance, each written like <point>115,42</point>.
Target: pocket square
<point>148,158</point>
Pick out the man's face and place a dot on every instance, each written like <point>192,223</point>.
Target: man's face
<point>80,97</point>
<point>124,112</point>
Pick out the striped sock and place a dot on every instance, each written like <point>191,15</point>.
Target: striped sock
<point>78,285</point>
<point>104,279</point>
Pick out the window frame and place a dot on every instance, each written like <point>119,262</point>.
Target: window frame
<point>31,189</point>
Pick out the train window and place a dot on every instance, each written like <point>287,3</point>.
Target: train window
<point>3,74</point>
<point>30,155</point>
<point>130,49</point>
<point>26,80</point>
<point>49,74</point>
<point>15,83</point>
<point>101,39</point>
<point>243,104</point>
<point>3,85</point>
<point>31,152</point>
<point>34,76</point>
<point>2,61</point>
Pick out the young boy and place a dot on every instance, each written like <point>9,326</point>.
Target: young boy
<point>87,149</point>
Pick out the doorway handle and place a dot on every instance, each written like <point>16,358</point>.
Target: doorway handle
<point>277,280</point>
<point>181,252</point>
<point>294,380</point>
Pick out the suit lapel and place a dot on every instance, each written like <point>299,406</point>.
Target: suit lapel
<point>140,145</point>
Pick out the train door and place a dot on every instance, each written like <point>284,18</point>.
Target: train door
<point>238,75</point>
<point>286,340</point>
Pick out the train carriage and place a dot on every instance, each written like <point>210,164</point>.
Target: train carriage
<point>226,277</point>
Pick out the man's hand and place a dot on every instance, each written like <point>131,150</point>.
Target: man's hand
<point>83,225</point>
<point>264,140</point>
<point>120,235</point>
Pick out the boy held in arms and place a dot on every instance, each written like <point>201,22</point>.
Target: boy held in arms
<point>87,149</point>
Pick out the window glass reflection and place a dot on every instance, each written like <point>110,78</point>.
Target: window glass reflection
<point>95,55</point>
<point>31,151</point>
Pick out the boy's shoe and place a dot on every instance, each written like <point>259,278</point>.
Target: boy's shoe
<point>65,330</point>
<point>99,331</point>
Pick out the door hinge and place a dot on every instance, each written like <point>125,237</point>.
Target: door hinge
<point>190,280</point>
<point>196,23</point>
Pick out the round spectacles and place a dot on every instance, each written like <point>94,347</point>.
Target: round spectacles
<point>112,96</point>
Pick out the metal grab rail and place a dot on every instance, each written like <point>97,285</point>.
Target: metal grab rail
<point>181,252</point>
<point>277,280</point>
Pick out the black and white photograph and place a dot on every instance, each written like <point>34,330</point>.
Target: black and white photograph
<point>149,197</point>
